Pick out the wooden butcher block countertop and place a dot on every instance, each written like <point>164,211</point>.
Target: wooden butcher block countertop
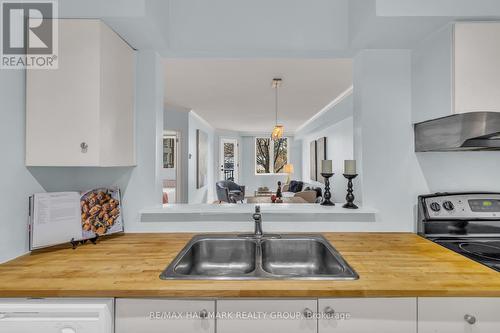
<point>389,265</point>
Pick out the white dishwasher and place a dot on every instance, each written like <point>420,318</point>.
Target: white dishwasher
<point>51,315</point>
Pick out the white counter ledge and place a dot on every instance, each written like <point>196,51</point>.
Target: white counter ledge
<point>243,213</point>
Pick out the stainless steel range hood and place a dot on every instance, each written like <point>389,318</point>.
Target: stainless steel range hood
<point>459,132</point>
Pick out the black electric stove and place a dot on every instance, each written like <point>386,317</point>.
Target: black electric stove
<point>485,251</point>
<point>467,223</point>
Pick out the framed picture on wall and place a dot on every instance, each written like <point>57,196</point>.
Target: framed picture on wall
<point>201,158</point>
<point>313,173</point>
<point>320,156</point>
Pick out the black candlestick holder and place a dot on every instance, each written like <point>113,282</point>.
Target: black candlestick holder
<point>350,197</point>
<point>328,195</point>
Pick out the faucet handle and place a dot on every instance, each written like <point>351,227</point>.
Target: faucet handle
<point>256,216</point>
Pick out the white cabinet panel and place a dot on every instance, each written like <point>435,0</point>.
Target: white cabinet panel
<point>164,315</point>
<point>117,100</point>
<point>56,315</point>
<point>62,105</point>
<point>457,315</point>
<point>477,66</point>
<point>368,315</point>
<point>267,316</point>
<point>457,70</point>
<point>88,100</point>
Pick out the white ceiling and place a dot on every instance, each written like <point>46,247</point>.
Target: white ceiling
<point>236,94</point>
<point>277,28</point>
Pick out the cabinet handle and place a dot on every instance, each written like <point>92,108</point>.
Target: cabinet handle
<point>84,147</point>
<point>329,312</point>
<point>68,330</point>
<point>470,319</point>
<point>203,314</point>
<point>308,313</point>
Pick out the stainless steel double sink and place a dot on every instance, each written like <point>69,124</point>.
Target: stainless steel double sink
<point>243,257</point>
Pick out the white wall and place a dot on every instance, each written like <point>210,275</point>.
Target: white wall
<point>205,194</point>
<point>459,171</point>
<point>144,186</point>
<point>16,182</point>
<point>336,124</point>
<point>253,181</point>
<point>432,73</point>
<point>383,141</point>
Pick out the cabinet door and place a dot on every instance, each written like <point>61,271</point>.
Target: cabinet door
<point>62,105</point>
<point>161,315</point>
<point>266,316</point>
<point>368,315</point>
<point>477,67</point>
<point>56,315</point>
<point>456,315</point>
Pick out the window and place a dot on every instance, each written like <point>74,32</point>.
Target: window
<point>168,151</point>
<point>270,156</point>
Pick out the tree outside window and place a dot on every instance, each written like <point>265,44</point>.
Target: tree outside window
<point>270,156</point>
<point>229,156</point>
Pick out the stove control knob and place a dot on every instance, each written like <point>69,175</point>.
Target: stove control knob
<point>448,205</point>
<point>435,207</point>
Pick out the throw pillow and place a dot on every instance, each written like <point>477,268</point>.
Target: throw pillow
<point>296,186</point>
<point>319,192</point>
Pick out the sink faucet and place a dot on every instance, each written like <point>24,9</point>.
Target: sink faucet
<point>257,216</point>
<point>258,233</point>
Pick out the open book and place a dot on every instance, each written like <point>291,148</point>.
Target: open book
<point>60,217</point>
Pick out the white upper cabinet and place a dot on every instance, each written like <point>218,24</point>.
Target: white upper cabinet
<point>477,67</point>
<point>457,70</point>
<point>368,315</point>
<point>458,315</point>
<point>82,114</point>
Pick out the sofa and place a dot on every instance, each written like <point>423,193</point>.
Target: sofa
<point>229,191</point>
<point>309,193</point>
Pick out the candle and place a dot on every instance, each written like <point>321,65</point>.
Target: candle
<point>350,167</point>
<point>326,166</point>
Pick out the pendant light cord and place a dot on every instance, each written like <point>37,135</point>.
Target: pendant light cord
<point>276,103</point>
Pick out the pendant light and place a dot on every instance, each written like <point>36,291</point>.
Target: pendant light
<point>278,130</point>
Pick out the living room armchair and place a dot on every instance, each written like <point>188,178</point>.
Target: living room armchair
<point>229,191</point>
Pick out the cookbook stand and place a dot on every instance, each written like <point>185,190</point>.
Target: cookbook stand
<point>75,243</point>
